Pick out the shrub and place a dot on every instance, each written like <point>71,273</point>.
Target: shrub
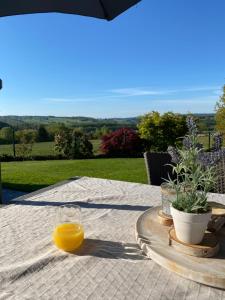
<point>73,144</point>
<point>160,131</point>
<point>123,142</point>
<point>81,147</point>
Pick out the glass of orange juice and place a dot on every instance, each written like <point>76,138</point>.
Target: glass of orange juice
<point>68,234</point>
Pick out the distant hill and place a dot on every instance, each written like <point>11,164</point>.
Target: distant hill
<point>3,124</point>
<point>206,121</point>
<point>79,121</point>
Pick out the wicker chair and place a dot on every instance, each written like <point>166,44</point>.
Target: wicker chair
<point>157,167</point>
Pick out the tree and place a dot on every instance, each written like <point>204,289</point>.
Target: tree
<point>160,131</point>
<point>6,134</point>
<point>220,113</point>
<point>123,142</point>
<point>43,135</point>
<point>100,132</point>
<point>81,146</point>
<point>63,142</point>
<point>26,139</point>
<point>55,128</point>
<point>73,144</point>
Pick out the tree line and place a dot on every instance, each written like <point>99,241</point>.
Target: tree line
<point>153,132</point>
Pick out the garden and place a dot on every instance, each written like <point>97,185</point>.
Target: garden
<point>43,154</point>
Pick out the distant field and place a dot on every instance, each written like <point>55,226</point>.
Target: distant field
<point>204,139</point>
<point>45,148</point>
<point>33,175</point>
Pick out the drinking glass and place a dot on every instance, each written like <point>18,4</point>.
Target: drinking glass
<point>168,194</point>
<point>68,234</point>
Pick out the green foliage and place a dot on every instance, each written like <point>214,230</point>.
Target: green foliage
<point>73,144</point>
<point>160,131</point>
<point>6,135</point>
<point>63,142</point>
<point>26,139</point>
<point>26,136</point>
<point>220,113</point>
<point>81,147</point>
<point>193,179</point>
<point>100,132</point>
<point>54,128</point>
<point>43,135</point>
<point>94,128</point>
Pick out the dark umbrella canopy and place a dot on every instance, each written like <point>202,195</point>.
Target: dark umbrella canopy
<point>103,9</point>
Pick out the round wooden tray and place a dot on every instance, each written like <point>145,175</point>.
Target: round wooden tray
<point>153,239</point>
<point>209,246</point>
<point>164,219</point>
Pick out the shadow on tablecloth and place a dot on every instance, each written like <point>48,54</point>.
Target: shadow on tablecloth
<point>110,250</point>
<point>82,204</point>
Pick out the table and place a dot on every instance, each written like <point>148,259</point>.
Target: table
<point>108,266</point>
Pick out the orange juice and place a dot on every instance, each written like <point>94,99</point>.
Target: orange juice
<point>68,236</point>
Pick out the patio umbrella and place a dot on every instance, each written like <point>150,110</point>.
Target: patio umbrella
<point>103,9</point>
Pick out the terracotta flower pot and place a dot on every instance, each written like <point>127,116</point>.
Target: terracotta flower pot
<point>190,228</point>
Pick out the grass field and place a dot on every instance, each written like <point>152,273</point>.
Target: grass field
<point>45,148</point>
<point>32,175</point>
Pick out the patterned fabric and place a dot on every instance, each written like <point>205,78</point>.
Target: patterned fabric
<point>108,266</point>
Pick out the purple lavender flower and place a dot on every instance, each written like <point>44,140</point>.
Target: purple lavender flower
<point>208,159</point>
<point>175,157</point>
<point>191,125</point>
<point>218,141</point>
<point>188,144</point>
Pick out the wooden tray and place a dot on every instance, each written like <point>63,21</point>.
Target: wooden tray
<point>153,239</point>
<point>164,219</point>
<point>209,246</point>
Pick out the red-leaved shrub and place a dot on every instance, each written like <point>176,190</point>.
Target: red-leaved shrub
<point>124,142</point>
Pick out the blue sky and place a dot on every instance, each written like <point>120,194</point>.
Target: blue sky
<point>160,55</point>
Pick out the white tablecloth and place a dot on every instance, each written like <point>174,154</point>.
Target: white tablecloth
<point>108,266</point>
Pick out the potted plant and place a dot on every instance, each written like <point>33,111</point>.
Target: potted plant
<point>195,177</point>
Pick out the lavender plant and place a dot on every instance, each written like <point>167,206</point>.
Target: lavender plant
<point>195,173</point>
<point>218,141</point>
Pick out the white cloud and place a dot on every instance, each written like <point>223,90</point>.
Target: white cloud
<point>137,91</point>
<point>57,100</point>
<point>67,100</point>
<point>124,93</point>
<point>186,101</point>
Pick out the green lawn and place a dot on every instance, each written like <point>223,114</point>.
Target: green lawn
<point>45,148</point>
<point>33,175</point>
